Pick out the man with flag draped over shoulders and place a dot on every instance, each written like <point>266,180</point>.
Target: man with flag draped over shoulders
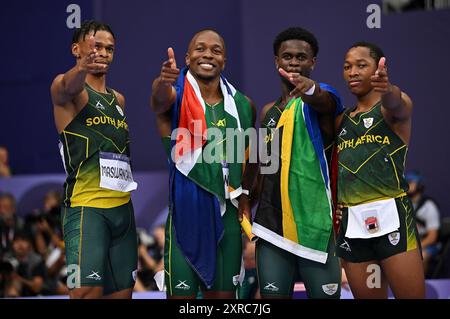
<point>198,112</point>
<point>294,216</point>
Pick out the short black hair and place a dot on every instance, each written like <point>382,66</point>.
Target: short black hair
<point>296,33</point>
<point>90,26</point>
<point>8,196</point>
<point>375,51</point>
<point>208,30</point>
<point>23,235</point>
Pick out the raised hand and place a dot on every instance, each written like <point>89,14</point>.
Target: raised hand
<point>302,84</point>
<point>380,80</point>
<point>87,63</point>
<point>169,70</point>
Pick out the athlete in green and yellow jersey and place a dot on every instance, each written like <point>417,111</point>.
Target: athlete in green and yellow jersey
<point>378,232</point>
<point>97,215</point>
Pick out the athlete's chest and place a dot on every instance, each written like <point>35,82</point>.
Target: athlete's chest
<point>103,113</point>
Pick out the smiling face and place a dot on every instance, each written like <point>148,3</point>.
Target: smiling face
<point>359,66</point>
<point>104,44</point>
<point>206,56</point>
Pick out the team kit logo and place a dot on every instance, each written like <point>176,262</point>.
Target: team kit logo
<point>368,122</point>
<point>343,132</point>
<point>330,289</point>
<point>345,246</point>
<point>94,275</point>
<point>182,285</point>
<point>271,122</point>
<point>394,238</point>
<point>119,109</point>
<point>271,287</point>
<point>99,106</point>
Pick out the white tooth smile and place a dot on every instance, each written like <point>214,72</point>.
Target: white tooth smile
<point>206,66</point>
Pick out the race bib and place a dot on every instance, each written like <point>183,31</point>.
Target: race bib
<point>115,172</point>
<point>372,219</point>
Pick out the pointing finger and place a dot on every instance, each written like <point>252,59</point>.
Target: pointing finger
<point>381,65</point>
<point>91,42</point>
<point>284,74</point>
<point>171,55</point>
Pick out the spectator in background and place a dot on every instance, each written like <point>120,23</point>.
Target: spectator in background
<point>47,234</point>
<point>45,224</point>
<point>52,200</point>
<point>5,170</point>
<point>8,287</point>
<point>10,223</point>
<point>151,253</point>
<point>28,268</point>
<point>427,217</point>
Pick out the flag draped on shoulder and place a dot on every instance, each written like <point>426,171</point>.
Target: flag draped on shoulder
<point>295,211</point>
<point>199,188</point>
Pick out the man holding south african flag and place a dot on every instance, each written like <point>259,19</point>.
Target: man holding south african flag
<point>198,112</point>
<point>294,218</point>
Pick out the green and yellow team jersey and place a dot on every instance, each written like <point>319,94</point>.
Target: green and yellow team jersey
<point>270,122</point>
<point>371,159</point>
<point>96,154</point>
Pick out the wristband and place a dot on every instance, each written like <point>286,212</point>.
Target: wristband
<point>311,90</point>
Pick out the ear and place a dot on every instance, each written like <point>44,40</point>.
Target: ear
<point>187,59</point>
<point>224,63</point>
<point>277,65</point>
<point>314,60</point>
<point>76,50</point>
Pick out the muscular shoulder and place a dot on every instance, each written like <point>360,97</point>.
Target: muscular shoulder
<point>264,111</point>
<point>56,90</point>
<point>253,107</point>
<point>120,98</point>
<point>338,121</point>
<point>407,101</point>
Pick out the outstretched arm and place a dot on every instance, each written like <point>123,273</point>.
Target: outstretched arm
<point>67,86</point>
<point>163,92</point>
<point>396,103</point>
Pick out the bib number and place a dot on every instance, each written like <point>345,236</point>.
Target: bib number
<point>373,219</point>
<point>115,172</point>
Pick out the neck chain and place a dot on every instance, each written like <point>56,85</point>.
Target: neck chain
<point>212,105</point>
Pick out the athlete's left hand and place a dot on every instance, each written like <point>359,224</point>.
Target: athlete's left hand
<point>339,209</point>
<point>244,208</point>
<point>380,80</point>
<point>302,84</point>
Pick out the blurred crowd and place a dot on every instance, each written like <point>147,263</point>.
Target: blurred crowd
<point>32,259</point>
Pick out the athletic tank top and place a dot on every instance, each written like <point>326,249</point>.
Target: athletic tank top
<point>215,118</point>
<point>269,211</point>
<point>371,159</point>
<point>269,123</point>
<point>95,151</point>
